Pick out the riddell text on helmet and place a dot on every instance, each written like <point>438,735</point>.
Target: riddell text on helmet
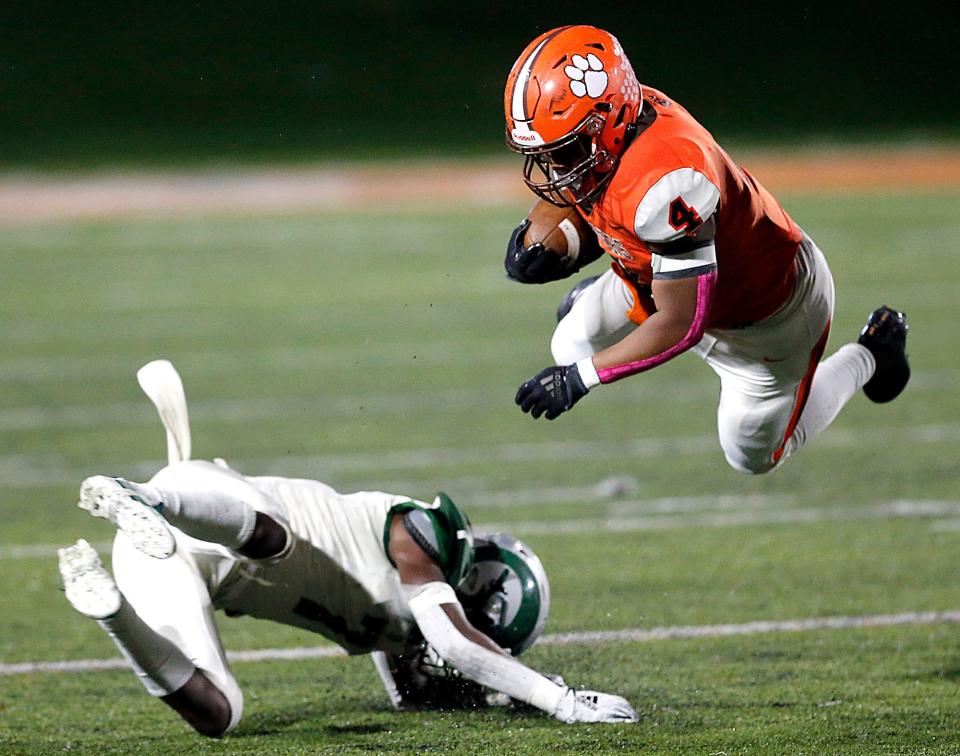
<point>526,136</point>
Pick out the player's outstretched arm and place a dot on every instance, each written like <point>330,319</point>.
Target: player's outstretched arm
<point>677,325</point>
<point>444,625</point>
<point>685,275</point>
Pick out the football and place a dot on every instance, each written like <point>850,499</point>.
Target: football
<point>560,229</point>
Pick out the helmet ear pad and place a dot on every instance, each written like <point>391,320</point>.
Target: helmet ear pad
<point>506,593</point>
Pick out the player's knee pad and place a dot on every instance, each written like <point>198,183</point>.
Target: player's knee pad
<point>222,679</point>
<point>746,452</point>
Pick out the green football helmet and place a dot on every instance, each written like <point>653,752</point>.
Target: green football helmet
<point>506,593</point>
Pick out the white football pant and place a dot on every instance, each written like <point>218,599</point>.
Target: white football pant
<point>774,396</point>
<point>174,596</point>
<point>334,558</point>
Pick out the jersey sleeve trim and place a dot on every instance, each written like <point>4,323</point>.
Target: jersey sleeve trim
<point>675,205</point>
<point>681,246</point>
<point>695,261</point>
<point>690,272</point>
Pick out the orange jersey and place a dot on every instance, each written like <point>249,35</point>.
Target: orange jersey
<point>673,177</point>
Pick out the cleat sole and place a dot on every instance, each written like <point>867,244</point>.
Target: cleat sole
<point>88,586</point>
<point>146,528</point>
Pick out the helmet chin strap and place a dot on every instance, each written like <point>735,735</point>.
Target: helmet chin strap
<point>645,119</point>
<point>608,162</point>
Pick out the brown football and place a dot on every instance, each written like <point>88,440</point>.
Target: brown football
<point>561,229</point>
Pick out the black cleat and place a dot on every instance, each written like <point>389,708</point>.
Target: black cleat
<point>885,335</point>
<point>567,303</point>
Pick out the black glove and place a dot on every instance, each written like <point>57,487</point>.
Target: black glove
<point>552,391</point>
<point>536,263</point>
<point>425,681</point>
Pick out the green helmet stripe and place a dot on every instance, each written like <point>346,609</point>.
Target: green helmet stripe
<point>529,611</point>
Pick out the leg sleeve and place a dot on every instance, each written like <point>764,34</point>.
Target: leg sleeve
<point>597,320</point>
<point>838,378</point>
<point>209,502</point>
<point>172,599</point>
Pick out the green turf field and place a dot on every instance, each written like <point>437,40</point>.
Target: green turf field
<point>383,350</point>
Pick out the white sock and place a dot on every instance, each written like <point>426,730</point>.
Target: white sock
<point>161,666</point>
<point>837,379</point>
<point>204,513</point>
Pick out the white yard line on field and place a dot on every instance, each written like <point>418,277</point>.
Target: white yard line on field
<point>42,550</point>
<point>664,514</point>
<point>277,190</point>
<point>607,490</point>
<point>631,635</point>
<point>885,511</point>
<point>40,471</point>
<point>90,416</point>
<point>329,405</point>
<point>751,628</point>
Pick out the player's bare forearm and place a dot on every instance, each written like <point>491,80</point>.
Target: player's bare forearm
<point>677,325</point>
<point>658,334</point>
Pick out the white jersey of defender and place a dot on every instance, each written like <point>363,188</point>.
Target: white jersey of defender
<point>334,578</point>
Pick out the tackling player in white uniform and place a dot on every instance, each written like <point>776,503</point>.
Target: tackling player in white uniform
<point>371,571</point>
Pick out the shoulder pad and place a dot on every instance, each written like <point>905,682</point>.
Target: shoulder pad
<point>675,205</point>
<point>441,530</point>
<point>422,529</point>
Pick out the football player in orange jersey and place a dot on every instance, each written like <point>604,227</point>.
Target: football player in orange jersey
<point>704,258</point>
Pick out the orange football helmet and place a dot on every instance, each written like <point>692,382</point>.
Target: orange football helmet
<point>570,102</point>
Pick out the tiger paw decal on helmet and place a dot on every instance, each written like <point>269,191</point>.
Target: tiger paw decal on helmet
<point>587,76</point>
<point>570,103</point>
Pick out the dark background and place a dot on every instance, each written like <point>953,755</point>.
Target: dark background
<point>108,82</point>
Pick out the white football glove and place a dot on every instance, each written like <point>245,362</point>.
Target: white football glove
<point>592,706</point>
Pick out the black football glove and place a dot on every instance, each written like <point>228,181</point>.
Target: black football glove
<point>425,681</point>
<point>552,391</point>
<point>536,263</point>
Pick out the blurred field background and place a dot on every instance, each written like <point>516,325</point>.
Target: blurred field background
<point>305,210</point>
<point>107,82</point>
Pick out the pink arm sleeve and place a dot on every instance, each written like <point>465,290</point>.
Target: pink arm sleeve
<point>706,284</point>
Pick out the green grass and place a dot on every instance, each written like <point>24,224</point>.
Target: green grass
<point>383,350</point>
